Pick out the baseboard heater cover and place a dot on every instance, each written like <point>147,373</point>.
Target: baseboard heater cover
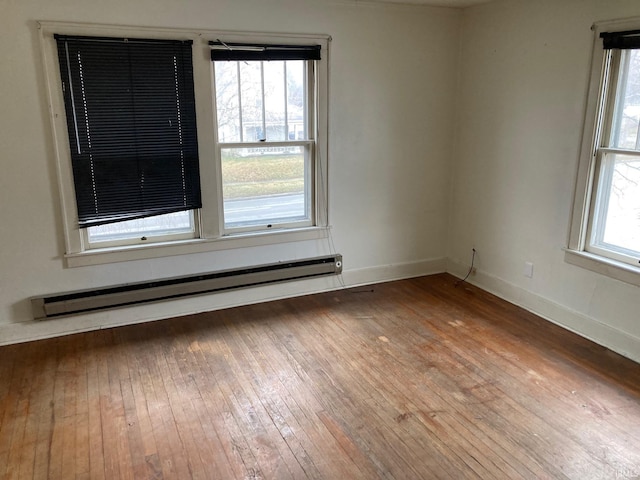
<point>135,293</point>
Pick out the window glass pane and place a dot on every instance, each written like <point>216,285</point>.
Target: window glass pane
<point>626,121</point>
<point>169,224</point>
<point>252,101</point>
<point>228,102</point>
<point>274,100</point>
<point>264,185</point>
<point>258,101</point>
<point>622,215</point>
<point>296,100</point>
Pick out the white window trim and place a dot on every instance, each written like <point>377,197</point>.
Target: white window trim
<point>576,252</point>
<point>211,228</point>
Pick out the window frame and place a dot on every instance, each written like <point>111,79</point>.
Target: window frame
<point>147,238</point>
<point>587,205</point>
<point>208,220</point>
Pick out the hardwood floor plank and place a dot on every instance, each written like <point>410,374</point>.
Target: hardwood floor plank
<point>308,367</point>
<point>209,407</point>
<point>462,417</point>
<point>14,436</point>
<point>56,441</point>
<point>41,405</point>
<point>340,380</point>
<point>174,463</point>
<point>137,407</point>
<point>390,408</point>
<point>409,379</point>
<point>96,346</point>
<point>266,387</point>
<point>221,404</point>
<point>110,414</point>
<point>181,390</point>
<point>559,399</point>
<point>271,452</point>
<point>292,408</point>
<point>30,393</point>
<point>432,404</point>
<point>469,386</point>
<point>157,453</point>
<point>82,451</point>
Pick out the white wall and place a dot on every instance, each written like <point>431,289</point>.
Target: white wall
<point>518,83</point>
<point>523,80</point>
<point>392,82</point>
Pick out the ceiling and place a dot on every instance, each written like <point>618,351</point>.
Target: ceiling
<point>440,3</point>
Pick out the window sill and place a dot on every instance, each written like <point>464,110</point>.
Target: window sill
<point>158,250</point>
<point>605,266</point>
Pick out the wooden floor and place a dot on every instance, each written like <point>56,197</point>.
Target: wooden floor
<point>413,379</point>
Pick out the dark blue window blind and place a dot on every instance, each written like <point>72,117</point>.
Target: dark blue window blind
<point>627,40</point>
<point>262,52</point>
<point>131,120</point>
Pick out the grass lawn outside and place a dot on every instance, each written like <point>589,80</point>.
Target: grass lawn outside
<point>262,175</point>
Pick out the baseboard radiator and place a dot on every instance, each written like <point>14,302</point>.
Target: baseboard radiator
<point>135,293</point>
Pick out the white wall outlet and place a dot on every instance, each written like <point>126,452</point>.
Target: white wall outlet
<point>528,269</point>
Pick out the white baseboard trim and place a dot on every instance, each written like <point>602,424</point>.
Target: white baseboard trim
<point>398,271</point>
<point>37,330</point>
<point>590,328</point>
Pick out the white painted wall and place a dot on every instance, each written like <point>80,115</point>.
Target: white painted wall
<point>518,84</point>
<point>524,71</point>
<point>392,83</point>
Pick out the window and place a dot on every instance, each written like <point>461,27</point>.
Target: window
<point>266,141</point>
<point>615,225</point>
<point>130,113</point>
<point>171,142</point>
<point>607,217</point>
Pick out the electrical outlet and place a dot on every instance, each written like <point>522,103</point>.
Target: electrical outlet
<point>528,269</point>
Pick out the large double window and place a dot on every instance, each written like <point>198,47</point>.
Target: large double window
<point>607,210</point>
<point>175,142</point>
